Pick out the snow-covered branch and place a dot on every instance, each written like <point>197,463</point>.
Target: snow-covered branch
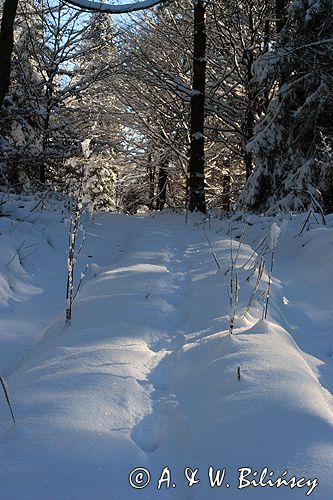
<point>90,5</point>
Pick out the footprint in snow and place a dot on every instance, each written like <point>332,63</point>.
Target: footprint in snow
<point>149,434</point>
<point>162,376</point>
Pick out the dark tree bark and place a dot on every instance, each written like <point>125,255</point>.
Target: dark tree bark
<point>248,134</point>
<point>6,45</point>
<point>196,173</point>
<point>267,40</point>
<point>280,22</point>
<point>226,188</point>
<point>162,186</point>
<point>151,180</point>
<point>281,14</point>
<point>249,117</point>
<point>46,138</point>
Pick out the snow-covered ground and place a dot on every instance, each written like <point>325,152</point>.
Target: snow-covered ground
<point>147,375</point>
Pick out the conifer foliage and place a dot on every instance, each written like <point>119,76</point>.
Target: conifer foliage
<point>293,141</point>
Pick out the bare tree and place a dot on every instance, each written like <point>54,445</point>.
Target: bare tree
<point>196,172</point>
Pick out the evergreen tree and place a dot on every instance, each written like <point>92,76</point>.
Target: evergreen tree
<point>293,167</point>
<point>95,111</point>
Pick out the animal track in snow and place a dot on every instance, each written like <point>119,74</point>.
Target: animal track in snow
<point>149,434</point>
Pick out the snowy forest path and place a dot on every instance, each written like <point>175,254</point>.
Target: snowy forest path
<point>171,255</point>
<point>164,273</point>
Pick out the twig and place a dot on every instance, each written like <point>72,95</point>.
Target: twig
<point>274,236</point>
<point>16,253</point>
<point>256,251</point>
<point>80,282</point>
<point>315,202</point>
<point>257,283</point>
<point>212,251</point>
<point>40,201</point>
<point>7,398</point>
<point>267,294</point>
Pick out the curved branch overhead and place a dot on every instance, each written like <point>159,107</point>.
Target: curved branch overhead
<point>90,5</point>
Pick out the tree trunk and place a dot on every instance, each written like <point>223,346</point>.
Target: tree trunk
<point>281,14</point>
<point>162,185</point>
<point>251,104</point>
<point>6,45</point>
<point>151,180</point>
<point>267,41</point>
<point>196,172</point>
<point>280,21</point>
<point>248,134</point>
<point>42,168</point>
<point>226,188</point>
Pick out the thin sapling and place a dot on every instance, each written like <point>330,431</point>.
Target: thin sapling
<point>274,236</point>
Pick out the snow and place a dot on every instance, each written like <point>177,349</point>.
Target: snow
<point>198,135</point>
<point>147,375</point>
<point>114,9</point>
<point>274,236</point>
